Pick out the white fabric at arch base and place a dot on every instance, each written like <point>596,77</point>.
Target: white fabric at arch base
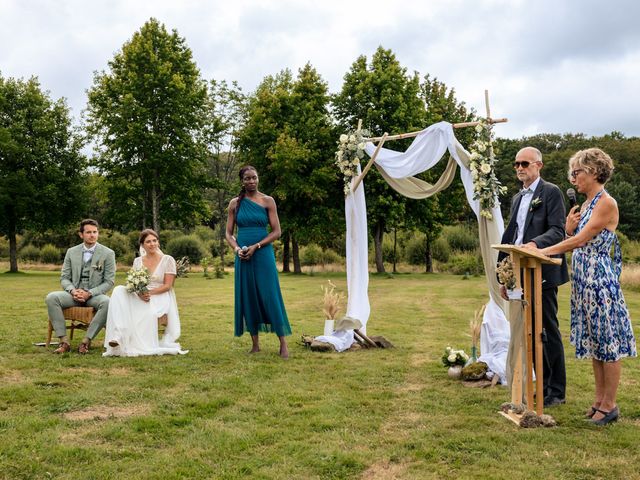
<point>398,168</point>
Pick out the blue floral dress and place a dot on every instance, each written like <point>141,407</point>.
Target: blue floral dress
<point>600,324</point>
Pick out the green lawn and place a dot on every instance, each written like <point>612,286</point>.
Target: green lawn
<point>220,413</point>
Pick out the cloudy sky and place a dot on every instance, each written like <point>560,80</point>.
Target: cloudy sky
<point>550,66</point>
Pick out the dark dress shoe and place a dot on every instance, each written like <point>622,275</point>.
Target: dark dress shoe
<point>610,416</point>
<point>553,401</point>
<point>63,348</point>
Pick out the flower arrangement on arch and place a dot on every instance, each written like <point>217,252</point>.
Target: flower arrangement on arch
<point>350,152</point>
<point>486,186</point>
<point>452,357</point>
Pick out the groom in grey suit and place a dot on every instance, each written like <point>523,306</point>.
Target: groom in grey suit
<point>88,273</point>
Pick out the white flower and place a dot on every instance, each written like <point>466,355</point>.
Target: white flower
<point>482,147</point>
<point>485,168</point>
<point>344,138</point>
<point>452,357</point>
<point>479,128</point>
<point>352,138</point>
<point>361,145</point>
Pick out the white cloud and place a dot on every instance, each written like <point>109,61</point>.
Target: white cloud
<point>551,66</point>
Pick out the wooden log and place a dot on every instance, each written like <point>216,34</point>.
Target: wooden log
<point>381,342</point>
<point>367,340</point>
<point>400,136</point>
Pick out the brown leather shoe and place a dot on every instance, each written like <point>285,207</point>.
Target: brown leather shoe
<point>83,348</point>
<point>64,347</point>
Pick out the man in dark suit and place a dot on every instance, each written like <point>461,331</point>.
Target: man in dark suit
<point>537,219</point>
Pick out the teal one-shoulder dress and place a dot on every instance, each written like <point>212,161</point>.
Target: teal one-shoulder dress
<point>258,299</point>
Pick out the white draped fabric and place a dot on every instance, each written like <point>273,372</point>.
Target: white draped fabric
<point>133,323</point>
<point>398,168</point>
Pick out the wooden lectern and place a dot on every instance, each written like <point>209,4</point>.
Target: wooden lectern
<point>529,263</point>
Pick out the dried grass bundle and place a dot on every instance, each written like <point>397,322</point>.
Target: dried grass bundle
<point>475,325</point>
<point>331,301</point>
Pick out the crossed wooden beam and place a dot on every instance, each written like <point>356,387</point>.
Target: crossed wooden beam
<point>400,136</point>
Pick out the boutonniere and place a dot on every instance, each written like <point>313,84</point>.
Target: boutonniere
<point>98,266</point>
<point>535,203</point>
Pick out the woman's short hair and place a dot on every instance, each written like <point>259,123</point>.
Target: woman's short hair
<point>594,161</point>
<point>145,233</point>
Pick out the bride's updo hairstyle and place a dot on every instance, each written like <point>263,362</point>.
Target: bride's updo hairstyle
<point>144,234</point>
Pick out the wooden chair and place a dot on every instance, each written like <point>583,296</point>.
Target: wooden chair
<point>79,319</point>
<point>162,322</point>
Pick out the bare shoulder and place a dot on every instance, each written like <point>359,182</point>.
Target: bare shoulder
<point>232,203</point>
<point>608,202</point>
<point>269,201</point>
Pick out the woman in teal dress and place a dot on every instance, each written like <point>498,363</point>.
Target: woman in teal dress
<point>600,324</point>
<point>258,300</point>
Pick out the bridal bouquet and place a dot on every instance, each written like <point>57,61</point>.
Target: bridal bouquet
<point>137,280</point>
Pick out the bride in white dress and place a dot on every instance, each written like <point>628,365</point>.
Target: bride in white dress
<point>132,319</point>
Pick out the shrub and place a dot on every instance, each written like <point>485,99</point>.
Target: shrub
<point>415,250</point>
<point>127,258</point>
<point>166,236</point>
<point>4,247</point>
<point>387,249</point>
<point>205,233</point>
<point>310,255</point>
<point>187,246</point>
<point>331,256</point>
<point>462,263</point>
<point>630,248</point>
<point>440,250</point>
<point>461,238</point>
<point>119,243</point>
<point>50,254</point>
<point>29,253</point>
<point>313,254</point>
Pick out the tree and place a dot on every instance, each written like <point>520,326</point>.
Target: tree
<point>431,214</point>
<point>226,112</point>
<point>288,136</point>
<point>41,168</point>
<point>147,112</point>
<point>386,99</point>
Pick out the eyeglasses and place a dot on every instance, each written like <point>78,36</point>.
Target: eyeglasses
<point>523,164</point>
<point>574,173</point>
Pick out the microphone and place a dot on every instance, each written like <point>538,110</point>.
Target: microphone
<point>571,194</point>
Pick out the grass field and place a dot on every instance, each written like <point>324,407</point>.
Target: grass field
<point>220,413</point>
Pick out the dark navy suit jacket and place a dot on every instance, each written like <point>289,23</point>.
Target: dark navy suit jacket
<point>544,225</point>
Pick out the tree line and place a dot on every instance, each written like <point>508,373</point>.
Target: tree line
<point>167,145</point>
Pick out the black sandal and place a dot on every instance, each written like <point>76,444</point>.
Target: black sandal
<point>609,417</point>
<point>591,412</point>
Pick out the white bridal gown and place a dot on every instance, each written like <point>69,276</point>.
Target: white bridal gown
<point>133,323</point>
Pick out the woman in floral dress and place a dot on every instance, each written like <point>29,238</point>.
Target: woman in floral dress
<point>600,324</point>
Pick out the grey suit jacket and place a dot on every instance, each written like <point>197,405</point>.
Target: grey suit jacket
<point>544,226</point>
<point>103,270</point>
